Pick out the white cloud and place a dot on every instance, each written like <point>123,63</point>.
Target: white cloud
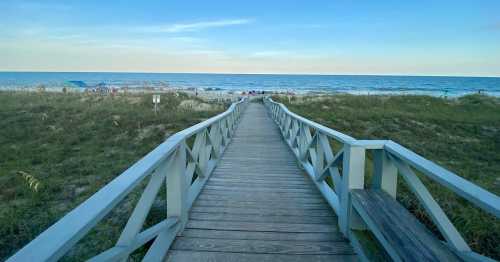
<point>193,27</point>
<point>187,39</point>
<point>270,53</point>
<point>288,54</point>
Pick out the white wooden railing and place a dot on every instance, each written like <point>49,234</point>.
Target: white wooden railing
<point>185,170</point>
<point>311,144</point>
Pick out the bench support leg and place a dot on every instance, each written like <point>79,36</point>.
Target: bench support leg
<point>353,177</point>
<point>385,175</point>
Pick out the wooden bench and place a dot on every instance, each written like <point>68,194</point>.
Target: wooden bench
<point>401,234</point>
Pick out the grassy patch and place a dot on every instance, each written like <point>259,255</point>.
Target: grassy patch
<point>462,135</point>
<point>58,149</point>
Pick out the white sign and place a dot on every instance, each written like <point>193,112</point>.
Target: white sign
<point>156,99</point>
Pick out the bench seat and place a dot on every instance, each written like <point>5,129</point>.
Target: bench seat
<point>401,234</point>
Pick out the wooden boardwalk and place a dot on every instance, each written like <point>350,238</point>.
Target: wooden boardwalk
<point>259,206</point>
<point>256,204</point>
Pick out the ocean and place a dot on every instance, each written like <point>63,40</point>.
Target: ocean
<point>353,84</point>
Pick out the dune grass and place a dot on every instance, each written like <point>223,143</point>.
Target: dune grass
<point>462,135</point>
<point>58,149</point>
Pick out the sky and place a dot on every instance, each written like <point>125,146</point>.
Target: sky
<point>389,37</point>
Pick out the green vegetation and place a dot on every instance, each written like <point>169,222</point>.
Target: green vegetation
<point>58,149</point>
<point>461,134</point>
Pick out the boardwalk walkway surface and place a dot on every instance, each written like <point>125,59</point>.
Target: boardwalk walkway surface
<point>259,206</point>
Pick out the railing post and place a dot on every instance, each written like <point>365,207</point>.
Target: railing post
<point>215,138</point>
<point>353,173</point>
<point>385,174</point>
<point>283,117</point>
<point>286,127</point>
<point>232,118</point>
<point>177,186</point>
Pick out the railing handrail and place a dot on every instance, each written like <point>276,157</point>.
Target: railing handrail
<point>179,136</point>
<point>326,130</point>
<point>477,195</point>
<point>54,242</point>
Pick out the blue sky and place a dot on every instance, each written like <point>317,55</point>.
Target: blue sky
<point>320,37</point>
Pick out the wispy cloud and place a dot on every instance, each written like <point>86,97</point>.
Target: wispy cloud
<point>193,27</point>
<point>187,39</point>
<point>269,53</point>
<point>286,54</point>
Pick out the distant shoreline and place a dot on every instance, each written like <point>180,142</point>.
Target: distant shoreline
<point>232,94</point>
<point>223,84</point>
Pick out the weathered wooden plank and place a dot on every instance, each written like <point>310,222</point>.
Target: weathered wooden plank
<point>254,226</point>
<point>288,219</point>
<point>259,180</point>
<point>259,198</point>
<point>268,194</point>
<point>283,203</point>
<point>405,236</point>
<point>262,246</point>
<point>267,164</point>
<point>305,191</point>
<point>267,160</point>
<point>257,169</point>
<point>287,164</point>
<point>203,256</point>
<point>257,144</point>
<point>262,196</point>
<point>261,175</point>
<point>280,236</point>
<point>265,211</point>
<point>262,159</point>
<point>259,157</point>
<point>270,185</point>
<point>261,172</point>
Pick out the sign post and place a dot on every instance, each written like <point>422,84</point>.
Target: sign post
<point>156,101</point>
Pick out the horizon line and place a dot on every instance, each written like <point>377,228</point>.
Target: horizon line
<point>233,73</point>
